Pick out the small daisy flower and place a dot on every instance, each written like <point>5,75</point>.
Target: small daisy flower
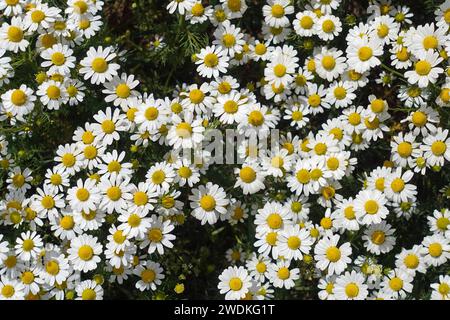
<point>97,65</point>
<point>234,283</point>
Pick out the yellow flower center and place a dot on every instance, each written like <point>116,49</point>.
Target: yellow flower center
<point>140,198</point>
<point>27,277</point>
<point>230,107</point>
<point>158,177</point>
<point>260,49</point>
<point>333,254</point>
<point>87,137</point>
<point>247,174</point>
<point>211,60</point>
<point>423,67</point>
<point>228,40</point>
<point>80,7</point>
<point>114,193</point>
<point>85,252</point>
<point>372,124</point>
<point>123,91</point>
<point>402,54</point>
<point>224,87</point>
<point>196,96</point>
<point>377,105</point>
<point>271,238</point>
<point>148,275</point>
<point>18,97</point>
<point>328,192</point>
<point>261,267</point>
<point>235,284</point>
<point>277,162</point>
<point>349,213</point>
<point>277,11</point>
<point>306,22</point>
<point>326,223</point>
<point>442,223</point>
<point>207,202</point>
<point>283,273</point>
<point>430,42</point>
<point>382,30</point>
<point>151,113</point>
<point>108,126</point>
<point>340,93</point>
<point>397,185</point>
<point>155,235</point>
<point>88,294</point>
<point>58,58</point>
<point>114,166</point>
<point>197,10</point>
<point>55,179</point>
<point>83,24</point>
<point>316,174</point>
<point>314,100</point>
<point>67,223</point>
<point>48,202</point>
<point>18,180</point>
<point>419,119</point>
<point>134,220</point>
<point>328,26</point>
<point>8,291</point>
<point>444,289</point>
<point>438,148</point>
<point>411,261</point>
<point>99,65</point>
<point>404,149</point>
<point>297,115</point>
<point>255,118</point>
<point>396,284</point>
<point>274,221</point>
<point>53,92</point>
<point>365,53</point>
<point>28,245</point>
<point>351,290</point>
<point>303,176</point>
<point>378,237</point>
<point>320,148</point>
<point>68,160</point>
<point>90,152</point>
<point>328,62</point>
<point>371,207</point>
<point>15,34</point>
<point>435,249</point>
<point>279,70</point>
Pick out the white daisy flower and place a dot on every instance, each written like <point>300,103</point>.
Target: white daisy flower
<point>208,203</point>
<point>425,69</point>
<point>120,90</point>
<point>158,235</point>
<point>97,65</point>
<point>234,283</point>
<point>89,290</point>
<point>84,253</point>
<point>12,35</point>
<point>350,286</point>
<point>330,257</point>
<point>379,238</point>
<point>150,273</point>
<point>212,61</point>
<point>281,276</point>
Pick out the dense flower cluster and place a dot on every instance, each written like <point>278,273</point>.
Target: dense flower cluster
<point>94,215</point>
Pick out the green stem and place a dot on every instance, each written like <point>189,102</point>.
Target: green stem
<point>399,74</point>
